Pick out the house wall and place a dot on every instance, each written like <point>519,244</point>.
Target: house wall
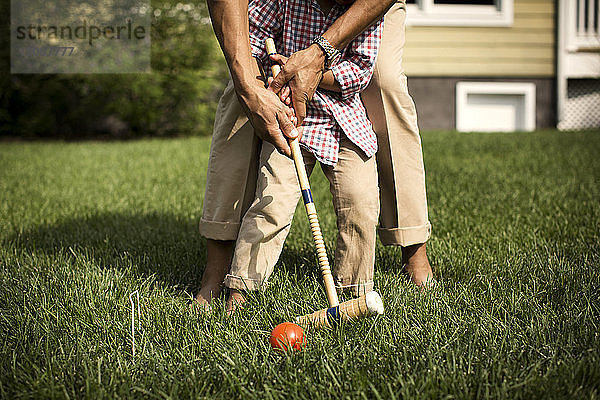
<point>525,49</point>
<point>437,57</point>
<point>435,99</point>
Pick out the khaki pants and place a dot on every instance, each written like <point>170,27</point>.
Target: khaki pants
<point>353,184</point>
<point>403,220</point>
<point>232,170</point>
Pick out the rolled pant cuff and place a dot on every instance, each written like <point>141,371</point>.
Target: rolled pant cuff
<point>405,236</point>
<point>241,283</point>
<point>356,289</point>
<point>219,230</point>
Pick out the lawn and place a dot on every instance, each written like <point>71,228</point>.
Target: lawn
<point>515,247</point>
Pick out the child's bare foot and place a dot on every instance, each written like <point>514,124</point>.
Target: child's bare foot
<point>218,256</point>
<point>235,301</point>
<point>416,265</point>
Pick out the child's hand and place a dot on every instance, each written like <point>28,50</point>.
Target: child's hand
<point>285,93</point>
<point>289,110</point>
<point>292,116</point>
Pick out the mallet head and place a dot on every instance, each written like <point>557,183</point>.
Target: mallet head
<point>351,310</point>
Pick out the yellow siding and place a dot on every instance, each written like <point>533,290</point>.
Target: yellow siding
<point>524,49</point>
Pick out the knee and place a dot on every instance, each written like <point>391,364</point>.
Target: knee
<point>362,201</point>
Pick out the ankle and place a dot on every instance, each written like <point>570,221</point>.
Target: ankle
<point>212,283</point>
<point>416,264</point>
<point>414,253</point>
<point>218,255</point>
<point>235,301</point>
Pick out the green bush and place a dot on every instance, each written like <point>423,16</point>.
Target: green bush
<point>178,97</point>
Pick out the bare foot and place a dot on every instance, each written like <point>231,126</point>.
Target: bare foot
<point>205,296</point>
<point>218,260</point>
<point>416,265</point>
<point>235,301</point>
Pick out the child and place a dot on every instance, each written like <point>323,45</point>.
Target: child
<point>336,132</point>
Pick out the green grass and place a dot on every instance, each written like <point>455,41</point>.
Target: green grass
<point>515,246</point>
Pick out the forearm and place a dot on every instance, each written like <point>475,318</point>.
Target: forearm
<point>268,115</point>
<point>361,15</point>
<point>230,23</point>
<point>328,82</point>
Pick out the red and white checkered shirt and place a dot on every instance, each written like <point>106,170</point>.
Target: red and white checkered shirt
<point>294,24</point>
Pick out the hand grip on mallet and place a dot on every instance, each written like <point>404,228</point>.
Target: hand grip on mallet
<point>364,306</point>
<point>309,205</point>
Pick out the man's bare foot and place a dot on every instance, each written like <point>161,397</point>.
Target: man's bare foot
<point>235,301</point>
<point>218,261</point>
<point>416,265</point>
<point>205,296</point>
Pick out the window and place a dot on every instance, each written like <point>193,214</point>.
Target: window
<point>460,12</point>
<point>495,106</point>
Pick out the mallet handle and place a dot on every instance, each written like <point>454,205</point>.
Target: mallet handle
<point>364,306</point>
<point>309,205</point>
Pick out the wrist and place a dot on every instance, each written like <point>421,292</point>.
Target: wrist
<point>331,53</point>
<point>245,80</point>
<point>250,98</point>
<point>318,55</point>
<point>245,87</point>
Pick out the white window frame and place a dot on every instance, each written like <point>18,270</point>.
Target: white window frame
<point>525,89</point>
<point>427,13</point>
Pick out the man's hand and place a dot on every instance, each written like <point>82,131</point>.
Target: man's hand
<point>270,117</point>
<point>303,72</point>
<point>305,68</point>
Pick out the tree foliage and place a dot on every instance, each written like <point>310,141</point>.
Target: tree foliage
<point>178,96</point>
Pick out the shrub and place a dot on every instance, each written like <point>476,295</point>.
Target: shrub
<point>178,97</point>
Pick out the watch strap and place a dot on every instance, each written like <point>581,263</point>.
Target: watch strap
<point>331,53</point>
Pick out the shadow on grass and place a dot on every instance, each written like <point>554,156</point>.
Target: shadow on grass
<point>147,244</point>
<point>163,245</point>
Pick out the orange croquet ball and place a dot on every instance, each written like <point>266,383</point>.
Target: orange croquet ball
<point>287,336</point>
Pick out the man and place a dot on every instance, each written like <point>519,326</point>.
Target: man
<point>232,166</point>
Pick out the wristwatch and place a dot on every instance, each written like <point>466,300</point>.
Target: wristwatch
<point>331,53</point>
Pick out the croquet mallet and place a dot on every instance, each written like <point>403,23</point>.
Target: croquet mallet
<point>366,305</point>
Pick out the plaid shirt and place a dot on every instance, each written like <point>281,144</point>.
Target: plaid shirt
<point>294,24</point>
